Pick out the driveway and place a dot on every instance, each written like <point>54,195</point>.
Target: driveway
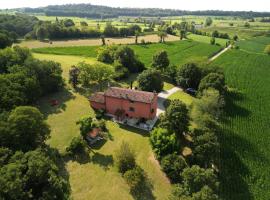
<point>162,96</point>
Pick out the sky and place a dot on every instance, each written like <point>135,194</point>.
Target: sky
<point>232,5</point>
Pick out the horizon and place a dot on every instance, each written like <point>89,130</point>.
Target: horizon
<point>191,5</point>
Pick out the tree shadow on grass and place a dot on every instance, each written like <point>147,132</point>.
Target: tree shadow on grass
<point>145,192</point>
<point>134,130</point>
<point>46,106</point>
<point>104,161</point>
<point>81,158</point>
<point>232,169</point>
<point>232,108</point>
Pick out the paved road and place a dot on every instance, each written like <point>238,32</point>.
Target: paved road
<point>220,53</point>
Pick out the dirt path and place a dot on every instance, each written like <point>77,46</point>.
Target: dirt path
<point>220,53</point>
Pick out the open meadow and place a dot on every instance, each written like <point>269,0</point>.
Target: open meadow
<point>245,149</point>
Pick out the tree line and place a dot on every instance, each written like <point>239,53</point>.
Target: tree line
<point>29,168</point>
<point>96,11</point>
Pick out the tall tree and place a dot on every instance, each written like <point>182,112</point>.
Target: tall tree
<point>160,60</point>
<point>26,129</point>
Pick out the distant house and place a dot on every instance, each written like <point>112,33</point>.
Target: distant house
<point>128,103</point>
<point>198,26</point>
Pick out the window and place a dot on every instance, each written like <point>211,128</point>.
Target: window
<point>152,110</point>
<point>131,109</point>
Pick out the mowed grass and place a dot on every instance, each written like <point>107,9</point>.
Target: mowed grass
<point>97,177</point>
<point>245,141</point>
<point>179,52</point>
<point>254,45</point>
<point>207,39</point>
<point>184,97</point>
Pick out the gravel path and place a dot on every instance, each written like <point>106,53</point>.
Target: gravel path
<point>220,53</point>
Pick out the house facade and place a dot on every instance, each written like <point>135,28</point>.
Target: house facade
<point>126,103</point>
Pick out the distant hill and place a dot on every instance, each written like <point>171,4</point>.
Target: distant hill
<point>95,11</point>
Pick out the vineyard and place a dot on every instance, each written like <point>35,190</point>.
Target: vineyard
<point>245,149</point>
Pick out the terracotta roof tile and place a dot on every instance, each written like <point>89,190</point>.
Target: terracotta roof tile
<point>98,97</point>
<point>129,94</point>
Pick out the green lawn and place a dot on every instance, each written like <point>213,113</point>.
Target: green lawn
<point>179,52</point>
<point>245,141</point>
<point>97,177</point>
<point>186,98</point>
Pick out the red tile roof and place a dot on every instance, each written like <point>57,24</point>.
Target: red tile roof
<point>98,97</point>
<point>129,94</point>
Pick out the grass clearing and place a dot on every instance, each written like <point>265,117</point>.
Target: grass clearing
<point>245,142</point>
<point>181,95</point>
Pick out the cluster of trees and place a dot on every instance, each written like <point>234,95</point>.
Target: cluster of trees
<point>95,11</point>
<point>265,20</point>
<point>217,34</point>
<point>193,175</point>
<point>123,59</point>
<point>23,79</point>
<point>7,38</point>
<point>19,24</point>
<point>60,30</point>
<point>190,75</point>
<point>28,167</point>
<point>112,31</point>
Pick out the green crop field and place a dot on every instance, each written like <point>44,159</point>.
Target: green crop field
<point>206,39</point>
<point>254,45</point>
<point>179,52</point>
<point>245,141</point>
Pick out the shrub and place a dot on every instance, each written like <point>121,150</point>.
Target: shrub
<point>163,142</point>
<point>173,165</point>
<point>121,72</point>
<point>77,146</point>
<point>125,158</point>
<point>150,80</point>
<point>135,179</point>
<point>267,49</point>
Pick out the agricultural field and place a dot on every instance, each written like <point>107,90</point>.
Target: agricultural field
<point>245,149</point>
<point>179,52</point>
<point>254,45</point>
<point>92,23</point>
<point>206,39</point>
<point>153,38</point>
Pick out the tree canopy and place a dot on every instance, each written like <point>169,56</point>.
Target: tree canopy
<point>160,60</point>
<point>163,142</point>
<point>150,80</point>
